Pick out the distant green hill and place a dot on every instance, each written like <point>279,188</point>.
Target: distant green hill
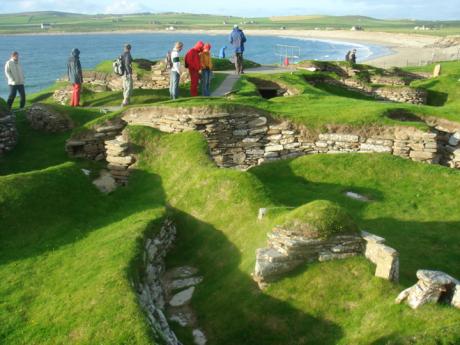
<point>30,22</point>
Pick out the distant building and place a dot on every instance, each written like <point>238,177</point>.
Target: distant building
<point>283,28</point>
<point>170,28</point>
<point>45,26</point>
<point>423,28</point>
<point>357,28</point>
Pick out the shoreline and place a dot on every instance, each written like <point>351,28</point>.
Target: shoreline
<point>403,49</point>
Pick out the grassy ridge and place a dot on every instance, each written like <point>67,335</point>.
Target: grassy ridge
<point>69,22</point>
<point>333,303</point>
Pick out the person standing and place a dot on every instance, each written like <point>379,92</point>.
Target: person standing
<point>206,70</point>
<point>174,77</point>
<point>222,52</point>
<point>75,75</point>
<point>237,40</point>
<point>347,56</point>
<point>193,63</point>
<point>15,76</point>
<point>353,57</point>
<point>127,77</point>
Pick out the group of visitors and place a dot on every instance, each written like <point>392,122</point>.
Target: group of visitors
<point>198,61</point>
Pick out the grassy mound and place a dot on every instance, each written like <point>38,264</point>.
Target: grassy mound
<point>319,219</point>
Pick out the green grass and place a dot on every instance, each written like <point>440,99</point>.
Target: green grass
<point>70,22</point>
<point>69,254</point>
<point>334,303</point>
<point>319,219</point>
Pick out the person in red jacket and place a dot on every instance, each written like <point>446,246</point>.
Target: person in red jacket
<point>193,63</point>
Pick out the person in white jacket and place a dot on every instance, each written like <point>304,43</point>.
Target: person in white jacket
<point>15,77</point>
<point>174,79</point>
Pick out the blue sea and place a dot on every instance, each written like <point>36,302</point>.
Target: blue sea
<point>44,57</point>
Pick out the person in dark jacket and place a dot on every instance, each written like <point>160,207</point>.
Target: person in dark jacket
<point>353,57</point>
<point>127,75</point>
<point>193,63</point>
<point>237,40</point>
<point>347,56</point>
<point>75,75</point>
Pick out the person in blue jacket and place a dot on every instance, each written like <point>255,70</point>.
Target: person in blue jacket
<point>222,52</point>
<point>237,40</point>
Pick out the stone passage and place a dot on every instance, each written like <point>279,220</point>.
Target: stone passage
<point>385,258</point>
<point>432,287</point>
<point>45,118</point>
<point>242,137</point>
<point>8,132</point>
<point>150,289</point>
<point>118,158</point>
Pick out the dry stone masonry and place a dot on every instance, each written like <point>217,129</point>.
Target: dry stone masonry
<point>45,118</point>
<point>432,287</point>
<point>385,258</point>
<point>320,231</point>
<point>241,137</point>
<point>150,289</point>
<point>118,158</point>
<point>8,132</point>
<point>91,144</point>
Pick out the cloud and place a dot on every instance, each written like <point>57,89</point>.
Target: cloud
<point>380,9</point>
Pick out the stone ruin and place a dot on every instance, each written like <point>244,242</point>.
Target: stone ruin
<point>432,287</point>
<point>165,294</point>
<point>385,85</point>
<point>242,137</point>
<point>320,231</point>
<point>119,159</point>
<point>90,144</point>
<point>8,130</point>
<point>45,118</point>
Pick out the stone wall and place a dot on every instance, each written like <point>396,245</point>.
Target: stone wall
<point>402,94</point>
<point>8,133</point>
<point>91,144</point>
<point>45,118</point>
<point>119,159</point>
<point>242,137</point>
<point>287,249</point>
<point>150,289</point>
<point>385,258</point>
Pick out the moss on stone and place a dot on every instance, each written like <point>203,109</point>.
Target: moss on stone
<point>319,219</point>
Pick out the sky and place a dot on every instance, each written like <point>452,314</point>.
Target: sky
<point>385,9</point>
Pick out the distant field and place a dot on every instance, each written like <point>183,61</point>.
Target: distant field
<point>70,22</point>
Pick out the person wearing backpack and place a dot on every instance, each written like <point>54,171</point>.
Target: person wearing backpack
<point>193,63</point>
<point>15,77</point>
<point>127,76</point>
<point>206,70</point>
<point>75,75</point>
<point>237,40</point>
<point>173,63</point>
